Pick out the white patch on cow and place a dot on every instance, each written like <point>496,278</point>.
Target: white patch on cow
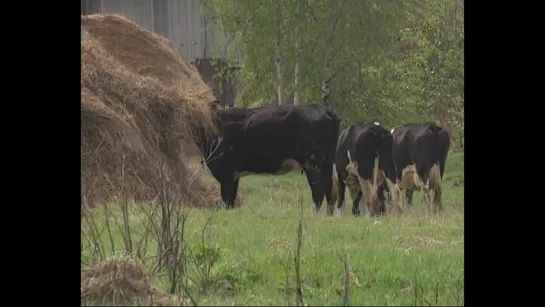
<point>435,175</point>
<point>368,187</point>
<point>392,131</point>
<point>339,210</point>
<point>410,178</point>
<point>289,165</point>
<point>376,123</point>
<point>431,189</point>
<point>397,201</point>
<point>434,182</point>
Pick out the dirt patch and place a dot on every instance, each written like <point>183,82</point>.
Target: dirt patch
<point>419,240</point>
<point>277,243</point>
<point>429,241</point>
<point>122,281</point>
<point>141,104</point>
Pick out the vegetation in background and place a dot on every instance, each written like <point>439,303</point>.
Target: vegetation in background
<point>369,60</point>
<point>388,61</point>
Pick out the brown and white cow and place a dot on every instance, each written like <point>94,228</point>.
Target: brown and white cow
<point>419,154</point>
<point>363,163</point>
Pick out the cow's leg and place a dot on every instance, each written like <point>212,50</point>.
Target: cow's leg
<point>316,188</point>
<point>356,205</point>
<point>396,201</point>
<point>432,199</point>
<point>381,199</point>
<point>233,194</point>
<point>366,188</point>
<point>409,195</point>
<point>326,174</point>
<point>341,187</point>
<point>227,188</point>
<point>355,194</point>
<point>427,193</point>
<point>428,198</point>
<point>326,179</point>
<point>438,198</point>
<point>435,186</point>
<point>421,178</point>
<point>386,198</point>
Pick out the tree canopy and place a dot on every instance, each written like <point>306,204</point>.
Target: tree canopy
<point>389,61</point>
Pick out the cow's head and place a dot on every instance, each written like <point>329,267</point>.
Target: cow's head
<point>215,105</point>
<point>207,141</point>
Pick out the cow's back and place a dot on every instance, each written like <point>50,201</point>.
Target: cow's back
<point>267,136</point>
<point>365,141</point>
<point>425,144</point>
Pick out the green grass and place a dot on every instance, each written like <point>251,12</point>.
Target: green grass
<point>391,258</point>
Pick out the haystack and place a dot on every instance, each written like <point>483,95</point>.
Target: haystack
<point>141,102</point>
<point>122,281</point>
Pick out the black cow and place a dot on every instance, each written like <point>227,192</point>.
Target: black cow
<point>363,159</point>
<point>273,140</point>
<point>420,152</point>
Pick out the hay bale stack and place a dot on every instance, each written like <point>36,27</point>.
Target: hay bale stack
<point>141,102</point>
<point>122,281</point>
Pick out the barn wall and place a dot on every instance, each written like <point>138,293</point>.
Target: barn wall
<point>181,21</point>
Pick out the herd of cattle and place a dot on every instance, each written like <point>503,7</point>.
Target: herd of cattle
<point>372,161</point>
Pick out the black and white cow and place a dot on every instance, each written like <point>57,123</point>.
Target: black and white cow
<point>273,140</point>
<point>363,162</point>
<point>420,152</point>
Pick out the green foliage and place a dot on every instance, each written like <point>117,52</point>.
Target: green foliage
<point>393,61</point>
<point>416,260</point>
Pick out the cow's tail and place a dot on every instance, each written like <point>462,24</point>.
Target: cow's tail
<point>440,150</point>
<point>435,175</point>
<point>332,147</point>
<point>436,151</point>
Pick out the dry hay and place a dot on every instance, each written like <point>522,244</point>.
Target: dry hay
<point>122,281</point>
<point>144,52</point>
<point>141,102</point>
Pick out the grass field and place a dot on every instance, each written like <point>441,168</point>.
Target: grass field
<point>246,256</point>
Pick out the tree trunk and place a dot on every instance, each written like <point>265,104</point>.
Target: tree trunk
<point>296,97</point>
<point>335,7</point>
<point>278,61</point>
<point>326,83</point>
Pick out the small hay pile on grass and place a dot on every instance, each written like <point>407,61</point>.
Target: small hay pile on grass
<point>141,102</point>
<point>122,281</point>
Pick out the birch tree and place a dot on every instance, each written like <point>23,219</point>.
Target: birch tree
<point>278,52</point>
<point>297,34</point>
<point>368,60</point>
<point>334,17</point>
